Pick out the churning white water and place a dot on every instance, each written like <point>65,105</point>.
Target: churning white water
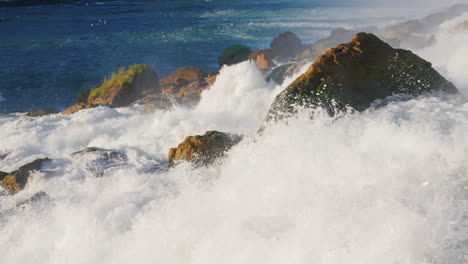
<point>388,185</point>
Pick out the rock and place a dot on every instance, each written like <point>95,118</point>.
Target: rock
<point>286,45</point>
<point>39,113</point>
<point>402,30</point>
<point>357,73</point>
<point>182,77</point>
<point>75,108</point>
<point>17,180</point>
<point>415,33</point>
<point>203,150</point>
<point>38,197</point>
<point>263,59</point>
<point>97,160</point>
<point>460,27</point>
<point>190,73</point>
<point>3,175</point>
<point>157,102</point>
<point>279,74</point>
<point>234,54</point>
<point>337,36</point>
<point>121,89</point>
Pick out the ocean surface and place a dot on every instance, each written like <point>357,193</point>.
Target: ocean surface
<point>387,186</point>
<point>50,52</point>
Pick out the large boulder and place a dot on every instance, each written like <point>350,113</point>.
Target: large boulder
<point>203,150</point>
<point>357,73</point>
<point>234,54</point>
<point>17,180</point>
<point>286,45</point>
<point>121,89</point>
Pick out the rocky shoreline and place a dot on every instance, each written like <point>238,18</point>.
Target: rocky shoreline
<point>369,66</point>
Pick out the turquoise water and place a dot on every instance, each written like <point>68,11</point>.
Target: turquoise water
<point>49,53</point>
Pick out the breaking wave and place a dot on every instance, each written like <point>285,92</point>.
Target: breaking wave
<point>387,185</point>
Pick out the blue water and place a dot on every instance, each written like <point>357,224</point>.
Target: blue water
<point>49,53</point>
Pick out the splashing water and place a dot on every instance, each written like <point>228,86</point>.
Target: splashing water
<point>386,185</point>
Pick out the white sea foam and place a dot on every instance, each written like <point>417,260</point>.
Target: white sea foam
<point>382,186</point>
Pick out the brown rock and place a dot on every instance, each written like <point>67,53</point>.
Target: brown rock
<point>357,73</point>
<point>203,150</point>
<point>190,74</point>
<point>263,59</point>
<point>16,181</point>
<point>75,108</point>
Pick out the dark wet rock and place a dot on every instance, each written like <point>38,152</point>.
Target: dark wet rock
<point>234,54</point>
<point>3,175</point>
<point>4,155</point>
<point>97,160</point>
<point>357,73</point>
<point>17,180</point>
<point>286,45</point>
<point>203,150</point>
<point>121,89</point>
<point>279,74</point>
<point>39,113</point>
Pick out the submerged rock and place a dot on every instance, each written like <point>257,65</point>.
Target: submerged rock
<point>17,180</point>
<point>203,150</point>
<point>97,160</point>
<point>286,45</point>
<point>234,54</point>
<point>121,89</point>
<point>39,113</point>
<point>357,73</point>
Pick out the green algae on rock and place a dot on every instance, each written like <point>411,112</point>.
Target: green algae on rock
<point>203,150</point>
<point>357,73</point>
<point>121,89</point>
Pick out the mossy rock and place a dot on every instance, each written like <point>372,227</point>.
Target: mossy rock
<point>234,54</point>
<point>125,87</point>
<point>203,150</point>
<point>16,181</point>
<point>39,113</point>
<point>357,73</point>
